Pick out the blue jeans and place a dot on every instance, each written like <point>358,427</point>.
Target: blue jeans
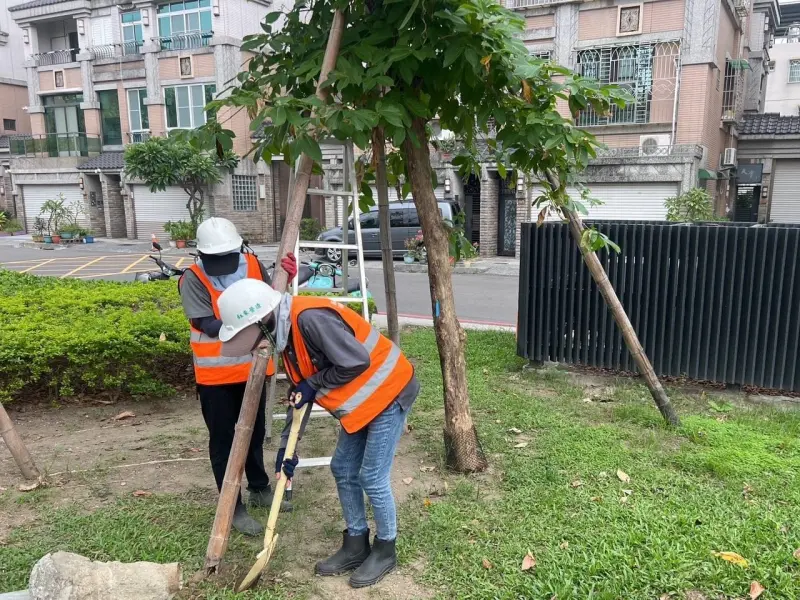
<point>362,463</point>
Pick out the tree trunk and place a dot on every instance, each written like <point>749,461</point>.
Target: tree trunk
<point>462,447</point>
<point>16,446</point>
<point>618,311</point>
<point>387,255</point>
<point>247,414</point>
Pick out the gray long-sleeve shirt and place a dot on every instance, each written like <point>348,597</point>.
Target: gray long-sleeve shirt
<point>338,356</point>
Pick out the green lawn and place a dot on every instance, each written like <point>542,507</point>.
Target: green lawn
<point>727,480</point>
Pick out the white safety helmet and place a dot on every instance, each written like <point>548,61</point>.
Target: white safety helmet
<point>244,303</point>
<point>218,236</point>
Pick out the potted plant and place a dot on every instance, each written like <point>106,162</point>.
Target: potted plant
<point>56,214</point>
<point>180,232</point>
<point>414,246</point>
<point>71,231</point>
<point>87,235</point>
<point>39,226</point>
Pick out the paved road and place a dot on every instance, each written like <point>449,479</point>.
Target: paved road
<point>479,298</point>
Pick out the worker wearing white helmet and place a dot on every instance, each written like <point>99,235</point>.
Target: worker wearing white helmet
<point>333,356</point>
<point>221,381</point>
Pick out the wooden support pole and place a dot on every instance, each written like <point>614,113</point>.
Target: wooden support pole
<point>16,446</point>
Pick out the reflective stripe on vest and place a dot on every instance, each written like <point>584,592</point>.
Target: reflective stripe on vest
<point>357,403</point>
<point>210,367</point>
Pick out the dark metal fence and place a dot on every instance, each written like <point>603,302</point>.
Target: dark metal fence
<point>713,302</point>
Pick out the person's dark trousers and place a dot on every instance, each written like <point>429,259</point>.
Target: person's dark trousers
<point>220,405</point>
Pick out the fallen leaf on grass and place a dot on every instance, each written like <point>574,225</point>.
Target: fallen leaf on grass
<point>796,554</point>
<point>564,545</point>
<point>142,494</point>
<point>756,589</point>
<point>521,445</point>
<point>623,476</point>
<point>529,562</point>
<point>28,487</point>
<point>627,492</point>
<point>408,480</point>
<point>596,499</point>
<point>623,500</point>
<point>665,597</point>
<point>427,469</point>
<point>426,503</point>
<point>124,415</point>
<point>514,430</point>
<point>732,557</point>
<point>486,563</point>
<point>576,483</point>
<point>162,337</point>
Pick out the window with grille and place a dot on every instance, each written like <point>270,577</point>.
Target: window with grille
<point>245,196</point>
<point>794,71</point>
<point>647,71</point>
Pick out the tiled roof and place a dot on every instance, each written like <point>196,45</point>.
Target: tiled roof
<point>769,124</point>
<point>107,161</point>
<point>33,4</point>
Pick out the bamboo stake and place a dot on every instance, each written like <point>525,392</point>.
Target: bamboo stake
<point>218,542</point>
<point>16,446</point>
<point>600,277</point>
<point>232,483</point>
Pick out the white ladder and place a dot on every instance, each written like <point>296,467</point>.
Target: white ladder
<point>350,192</point>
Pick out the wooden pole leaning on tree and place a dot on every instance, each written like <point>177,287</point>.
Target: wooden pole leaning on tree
<point>16,446</point>
<point>600,277</point>
<point>218,542</point>
<point>232,483</point>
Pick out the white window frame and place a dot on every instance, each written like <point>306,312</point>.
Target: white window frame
<point>131,25</point>
<point>241,183</point>
<point>188,87</point>
<point>184,13</point>
<point>796,63</point>
<point>138,109</point>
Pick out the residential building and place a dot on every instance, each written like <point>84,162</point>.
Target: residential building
<point>783,90</point>
<point>102,74</point>
<point>13,95</point>
<point>686,64</point>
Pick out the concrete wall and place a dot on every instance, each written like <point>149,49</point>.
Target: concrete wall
<point>783,97</point>
<point>12,98</point>
<point>601,23</point>
<point>12,54</point>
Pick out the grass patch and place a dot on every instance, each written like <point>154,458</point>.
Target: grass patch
<point>727,480</point>
<point>723,481</point>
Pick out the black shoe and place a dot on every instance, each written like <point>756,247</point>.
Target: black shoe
<point>244,523</point>
<point>263,499</point>
<point>354,551</point>
<point>381,561</point>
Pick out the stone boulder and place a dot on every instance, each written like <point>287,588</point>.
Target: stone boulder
<point>67,576</point>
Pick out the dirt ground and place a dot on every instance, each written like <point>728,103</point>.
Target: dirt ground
<point>90,456</point>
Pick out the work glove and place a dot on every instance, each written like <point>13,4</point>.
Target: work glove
<point>305,392</point>
<point>289,264</point>
<point>288,464</point>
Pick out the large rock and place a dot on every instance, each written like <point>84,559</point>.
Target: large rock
<point>67,576</point>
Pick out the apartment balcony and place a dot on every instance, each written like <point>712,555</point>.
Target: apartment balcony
<point>53,145</point>
<point>137,137</point>
<point>185,41</point>
<point>116,50</point>
<point>56,57</point>
<point>517,4</point>
<point>638,152</point>
<point>733,90</point>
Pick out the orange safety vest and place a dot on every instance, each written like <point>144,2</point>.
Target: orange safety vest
<point>210,367</point>
<point>357,403</point>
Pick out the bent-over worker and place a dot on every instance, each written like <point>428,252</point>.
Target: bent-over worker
<point>334,357</point>
<point>221,380</point>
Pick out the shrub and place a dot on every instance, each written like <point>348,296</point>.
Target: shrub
<point>310,229</point>
<point>67,336</point>
<point>13,225</point>
<point>692,206</point>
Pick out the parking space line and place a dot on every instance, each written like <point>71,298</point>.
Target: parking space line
<point>180,262</point>
<point>40,264</point>
<point>19,262</point>
<point>133,264</point>
<point>99,275</point>
<point>83,266</point>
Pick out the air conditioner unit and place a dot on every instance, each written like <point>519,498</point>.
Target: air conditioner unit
<point>729,157</point>
<point>655,144</point>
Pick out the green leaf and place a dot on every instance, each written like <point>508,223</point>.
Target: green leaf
<point>452,53</point>
<point>409,13</point>
<point>308,145</point>
<point>406,189</point>
<point>280,116</point>
<point>272,17</point>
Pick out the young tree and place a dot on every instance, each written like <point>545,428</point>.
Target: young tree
<point>161,162</point>
<point>402,64</point>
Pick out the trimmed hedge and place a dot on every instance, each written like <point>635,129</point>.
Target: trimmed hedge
<point>60,337</point>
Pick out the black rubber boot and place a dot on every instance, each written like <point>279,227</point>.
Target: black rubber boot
<point>263,499</point>
<point>354,551</point>
<point>244,523</point>
<point>381,561</point>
